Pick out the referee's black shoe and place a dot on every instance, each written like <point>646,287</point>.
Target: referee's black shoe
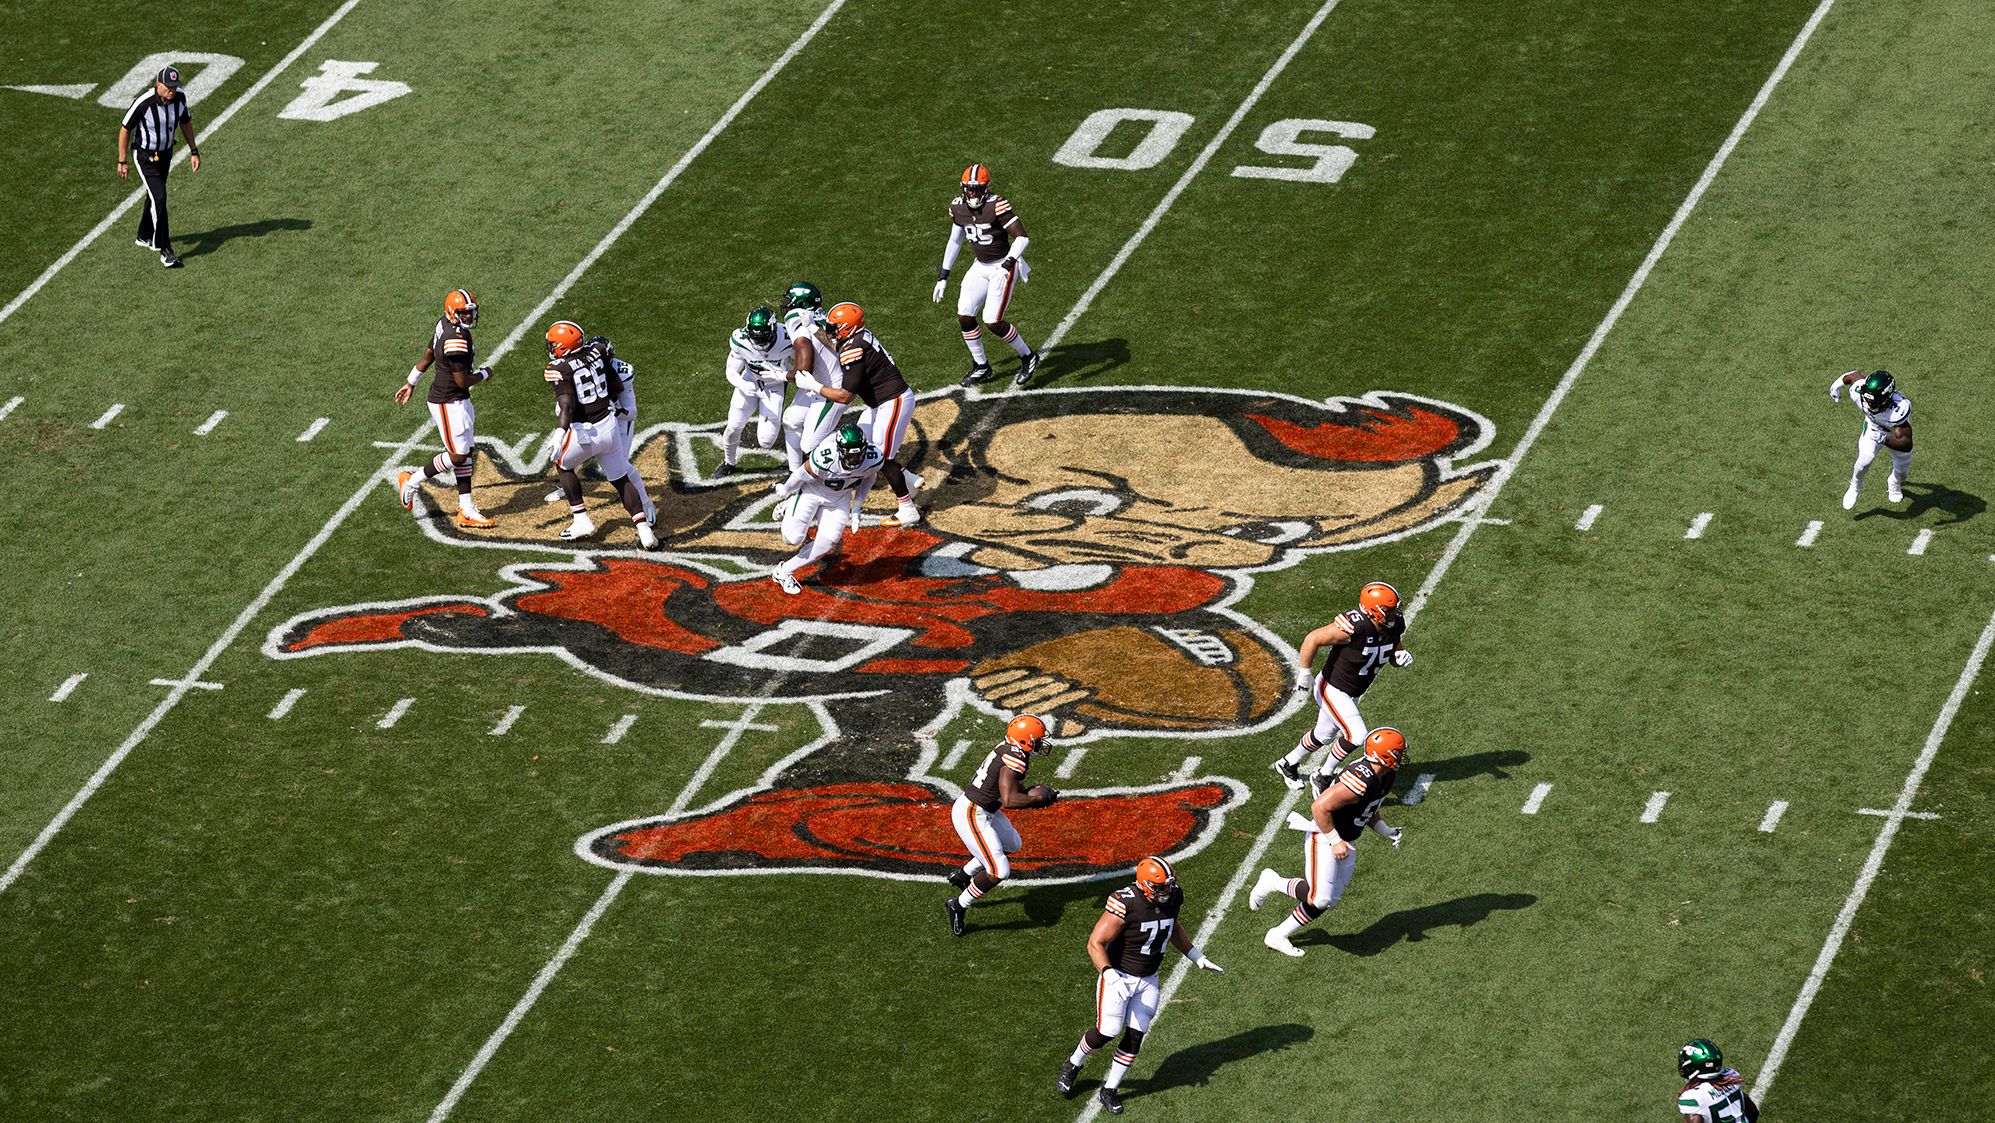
<point>170,259</point>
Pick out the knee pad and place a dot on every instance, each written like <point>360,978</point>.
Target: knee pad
<point>968,324</point>
<point>1095,1039</point>
<point>1132,1041</point>
<point>459,460</point>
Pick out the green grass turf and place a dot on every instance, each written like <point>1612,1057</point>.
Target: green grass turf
<point>317,918</point>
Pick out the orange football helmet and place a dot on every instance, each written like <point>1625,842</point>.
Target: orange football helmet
<point>460,307</point>
<point>1155,879</point>
<point>845,319</point>
<point>1386,747</point>
<point>563,337</point>
<point>1026,732</point>
<point>1378,600</point>
<point>976,185</point>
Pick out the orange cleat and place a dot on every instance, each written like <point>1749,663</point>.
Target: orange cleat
<point>404,492</point>
<point>474,522</point>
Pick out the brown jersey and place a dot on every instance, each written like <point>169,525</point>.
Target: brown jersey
<point>983,789</point>
<point>869,371</point>
<point>585,382</point>
<point>990,228</point>
<point>1356,662</point>
<point>1371,783</point>
<point>450,350</point>
<point>1146,929</point>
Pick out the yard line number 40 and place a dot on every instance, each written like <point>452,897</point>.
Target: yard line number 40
<point>1328,162</point>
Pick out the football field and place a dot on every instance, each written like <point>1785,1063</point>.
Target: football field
<point>315,810</point>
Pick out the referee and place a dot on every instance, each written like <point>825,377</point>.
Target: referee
<point>147,134</point>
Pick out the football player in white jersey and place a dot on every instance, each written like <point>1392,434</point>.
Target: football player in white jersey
<point>811,417</point>
<point>1714,1093</point>
<point>1887,421</point>
<point>758,364</point>
<point>824,485</point>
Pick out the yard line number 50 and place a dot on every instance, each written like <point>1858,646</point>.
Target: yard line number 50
<point>1328,163</point>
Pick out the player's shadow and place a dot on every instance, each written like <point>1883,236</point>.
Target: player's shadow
<point>1081,360</point>
<point>1925,498</point>
<point>1195,1064</point>
<point>1491,764</point>
<point>1415,924</point>
<point>1044,905</point>
<point>208,241</point>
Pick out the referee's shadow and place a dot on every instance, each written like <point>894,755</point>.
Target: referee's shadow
<point>208,241</point>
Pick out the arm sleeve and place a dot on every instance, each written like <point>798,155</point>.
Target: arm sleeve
<point>952,247</point>
<point>737,374</point>
<point>1018,245</point>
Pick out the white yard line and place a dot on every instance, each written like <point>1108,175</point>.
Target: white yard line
<point>1197,165</point>
<point>1773,813</point>
<point>108,415</point>
<point>1697,525</point>
<point>1920,541</point>
<point>208,426</point>
<point>1188,769</point>
<point>1654,808</point>
<point>207,130</point>
<point>1808,534</point>
<point>313,429</point>
<point>12,404</point>
<point>372,483</point>
<point>285,703</point>
<point>1586,518</point>
<point>394,714</point>
<point>956,752</point>
<point>505,724</point>
<point>621,727</point>
<point>68,686</point>
<point>1535,800</point>
<point>1070,763</point>
<point>1418,791</point>
<point>1900,811</point>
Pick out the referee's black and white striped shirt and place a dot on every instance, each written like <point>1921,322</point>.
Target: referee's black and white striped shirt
<point>152,121</point>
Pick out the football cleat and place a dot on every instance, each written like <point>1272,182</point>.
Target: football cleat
<point>1278,942</point>
<point>563,336</point>
<point>1699,1058</point>
<point>405,489</point>
<point>845,320</point>
<point>851,444</point>
<point>803,294</point>
<point>760,327</point>
<point>1290,775</point>
<point>1110,1102</point>
<point>1875,391</point>
<point>460,307</point>
<point>1069,1073</point>
<point>791,586</point>
<point>955,909</point>
<point>1849,497</point>
<point>905,514</point>
<point>1155,879</point>
<point>472,520</point>
<point>980,373</point>
<point>1386,747</point>
<point>647,538</point>
<point>959,881</point>
<point>1379,601</point>
<point>581,526</point>
<point>1319,782</point>
<point>1892,491</point>
<point>170,259</point>
<point>725,469</point>
<point>1265,886</point>
<point>1026,366</point>
<point>1026,732</point>
<point>976,184</point>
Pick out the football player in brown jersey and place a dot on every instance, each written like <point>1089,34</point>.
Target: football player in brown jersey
<point>449,405</point>
<point>1361,641</point>
<point>1330,835</point>
<point>979,814</point>
<point>868,375</point>
<point>588,385</point>
<point>997,246</point>
<point>1127,947</point>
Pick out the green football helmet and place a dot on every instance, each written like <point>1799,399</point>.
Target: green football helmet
<point>1875,390</point>
<point>803,294</point>
<point>760,327</point>
<point>1699,1058</point>
<point>851,444</point>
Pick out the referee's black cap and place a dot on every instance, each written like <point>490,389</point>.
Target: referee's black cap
<point>170,78</point>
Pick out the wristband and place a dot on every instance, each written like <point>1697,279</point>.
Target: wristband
<point>415,373</point>
<point>1192,953</point>
<point>942,274</point>
<point>193,151</point>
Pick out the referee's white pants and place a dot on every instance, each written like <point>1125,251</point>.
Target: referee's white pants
<point>987,835</point>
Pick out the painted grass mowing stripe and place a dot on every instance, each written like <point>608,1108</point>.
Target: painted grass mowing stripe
<point>1535,800</point>
<point>1773,814</point>
<point>1900,811</point>
<point>1586,519</point>
<point>285,703</point>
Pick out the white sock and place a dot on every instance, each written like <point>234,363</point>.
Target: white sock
<point>974,340</point>
<point>1119,1069</point>
<point>1018,344</point>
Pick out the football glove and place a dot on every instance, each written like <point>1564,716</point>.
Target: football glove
<point>1199,959</point>
<point>941,289</point>
<point>1402,658</point>
<point>484,374</point>
<point>1008,264</point>
<point>1836,388</point>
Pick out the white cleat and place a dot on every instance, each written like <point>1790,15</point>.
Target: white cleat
<point>907,514</point>
<point>788,583</point>
<point>1278,942</point>
<point>582,527</point>
<point>554,496</point>
<point>1892,491</point>
<point>408,483</point>
<point>1849,497</point>
<point>647,537</point>
<point>1267,885</point>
